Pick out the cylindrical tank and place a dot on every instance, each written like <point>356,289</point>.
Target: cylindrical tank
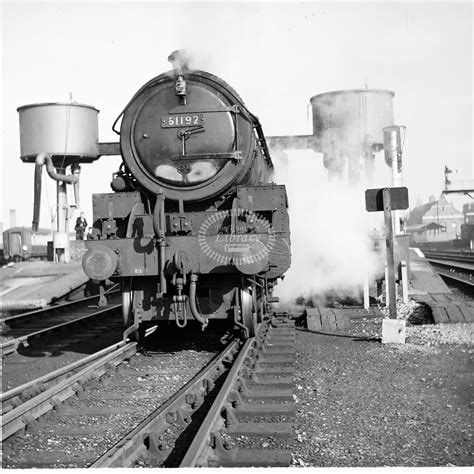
<point>354,118</point>
<point>67,131</point>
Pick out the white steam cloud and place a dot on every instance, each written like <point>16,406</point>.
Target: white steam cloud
<point>331,249</point>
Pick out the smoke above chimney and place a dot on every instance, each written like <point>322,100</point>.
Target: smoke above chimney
<point>180,60</point>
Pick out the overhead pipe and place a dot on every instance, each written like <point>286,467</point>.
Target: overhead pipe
<point>41,159</point>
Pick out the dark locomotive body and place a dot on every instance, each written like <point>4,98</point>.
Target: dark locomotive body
<point>194,229</point>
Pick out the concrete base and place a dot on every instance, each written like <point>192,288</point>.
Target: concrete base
<point>393,331</point>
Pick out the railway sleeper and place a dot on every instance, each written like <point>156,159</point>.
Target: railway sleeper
<point>267,360</point>
<point>179,417</point>
<point>31,424</point>
<point>279,350</point>
<point>276,370</point>
<point>255,458</point>
<point>194,400</point>
<point>233,456</point>
<point>247,410</point>
<point>262,385</point>
<point>283,339</point>
<point>281,430</point>
<point>272,377</point>
<point>155,448</point>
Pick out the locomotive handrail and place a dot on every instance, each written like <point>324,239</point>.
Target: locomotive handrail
<point>159,226</point>
<point>261,137</point>
<point>152,82</point>
<point>235,109</point>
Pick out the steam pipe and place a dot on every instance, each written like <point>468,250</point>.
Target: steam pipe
<point>192,302</point>
<point>159,228</point>
<point>41,159</point>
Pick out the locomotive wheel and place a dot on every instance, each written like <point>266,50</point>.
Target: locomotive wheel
<point>127,302</point>
<point>249,317</point>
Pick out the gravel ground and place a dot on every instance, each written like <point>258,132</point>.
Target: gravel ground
<point>364,404</point>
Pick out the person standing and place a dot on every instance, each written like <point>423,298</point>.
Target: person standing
<point>81,225</point>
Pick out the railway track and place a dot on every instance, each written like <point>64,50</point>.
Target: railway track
<point>250,404</point>
<point>48,350</point>
<point>235,412</point>
<point>454,265</point>
<point>21,330</point>
<point>25,404</point>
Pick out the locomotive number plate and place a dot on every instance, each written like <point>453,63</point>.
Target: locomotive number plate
<point>182,120</point>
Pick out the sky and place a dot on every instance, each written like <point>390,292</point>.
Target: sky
<point>276,55</point>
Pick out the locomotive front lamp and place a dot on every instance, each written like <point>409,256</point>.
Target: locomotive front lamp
<point>180,86</point>
<point>179,61</point>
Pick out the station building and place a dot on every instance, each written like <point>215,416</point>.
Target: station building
<point>435,221</point>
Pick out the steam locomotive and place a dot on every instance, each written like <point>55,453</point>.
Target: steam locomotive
<point>194,227</point>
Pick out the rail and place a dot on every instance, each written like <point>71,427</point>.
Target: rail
<point>454,265</point>
<point>27,412</point>
<point>52,308</point>
<point>11,346</point>
<point>211,407</point>
<point>146,436</point>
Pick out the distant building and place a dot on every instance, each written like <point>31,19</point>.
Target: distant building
<point>435,221</point>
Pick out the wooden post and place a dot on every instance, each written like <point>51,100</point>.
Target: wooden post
<point>387,210</point>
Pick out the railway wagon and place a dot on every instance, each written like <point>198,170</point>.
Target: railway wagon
<point>195,228</point>
<point>21,243</point>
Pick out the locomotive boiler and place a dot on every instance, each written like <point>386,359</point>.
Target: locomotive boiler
<point>194,229</point>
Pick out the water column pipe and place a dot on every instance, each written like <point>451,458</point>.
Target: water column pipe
<point>76,171</point>
<point>60,237</point>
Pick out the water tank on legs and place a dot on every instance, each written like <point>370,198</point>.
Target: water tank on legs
<point>349,124</point>
<point>67,131</point>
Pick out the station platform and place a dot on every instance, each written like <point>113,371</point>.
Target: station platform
<point>427,287</point>
<point>27,286</point>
